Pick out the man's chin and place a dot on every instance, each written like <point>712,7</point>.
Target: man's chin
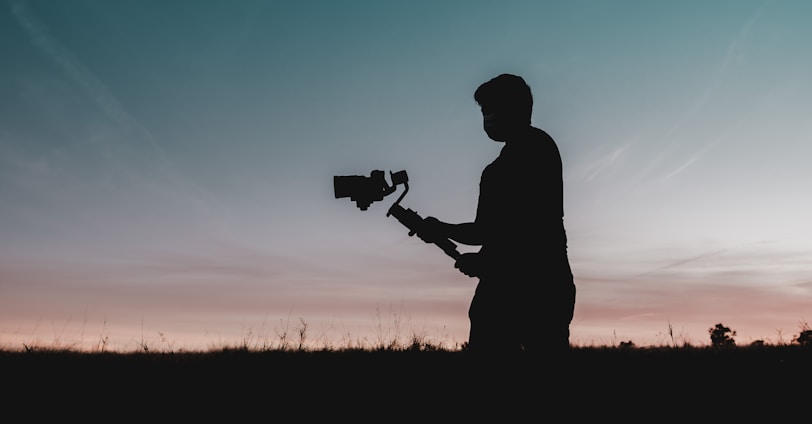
<point>498,137</point>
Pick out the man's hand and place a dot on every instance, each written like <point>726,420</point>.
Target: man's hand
<point>432,230</point>
<point>469,264</point>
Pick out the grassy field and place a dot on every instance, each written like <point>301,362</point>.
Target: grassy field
<point>635,384</point>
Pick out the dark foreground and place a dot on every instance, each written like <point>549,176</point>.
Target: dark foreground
<point>638,385</point>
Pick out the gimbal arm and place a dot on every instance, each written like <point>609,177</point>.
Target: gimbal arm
<point>413,222</point>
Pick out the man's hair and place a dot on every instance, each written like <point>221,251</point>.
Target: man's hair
<point>506,93</point>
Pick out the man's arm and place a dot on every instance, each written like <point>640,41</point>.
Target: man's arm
<point>465,233</point>
<point>470,264</point>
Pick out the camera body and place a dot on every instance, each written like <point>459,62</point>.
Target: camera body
<point>366,190</point>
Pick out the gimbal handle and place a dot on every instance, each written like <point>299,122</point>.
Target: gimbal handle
<point>413,222</point>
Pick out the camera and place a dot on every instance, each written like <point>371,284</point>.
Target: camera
<point>365,190</point>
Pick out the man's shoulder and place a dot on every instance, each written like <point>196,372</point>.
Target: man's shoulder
<point>536,142</point>
<point>539,134</point>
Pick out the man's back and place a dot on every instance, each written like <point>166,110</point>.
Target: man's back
<point>520,208</point>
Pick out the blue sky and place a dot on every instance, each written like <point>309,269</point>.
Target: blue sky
<point>166,167</point>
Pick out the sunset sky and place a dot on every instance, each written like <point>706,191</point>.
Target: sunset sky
<point>166,167</point>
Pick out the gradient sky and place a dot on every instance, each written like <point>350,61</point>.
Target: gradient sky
<point>166,166</point>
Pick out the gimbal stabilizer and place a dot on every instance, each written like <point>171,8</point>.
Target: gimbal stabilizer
<point>365,190</point>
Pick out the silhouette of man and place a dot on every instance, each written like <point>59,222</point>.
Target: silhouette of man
<point>525,297</point>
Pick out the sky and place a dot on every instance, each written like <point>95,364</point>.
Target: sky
<point>166,167</point>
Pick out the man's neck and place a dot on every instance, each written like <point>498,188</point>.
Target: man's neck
<point>519,135</point>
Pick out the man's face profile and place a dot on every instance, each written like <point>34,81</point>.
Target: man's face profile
<point>496,125</point>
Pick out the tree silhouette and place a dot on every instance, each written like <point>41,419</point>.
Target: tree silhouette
<point>721,336</point>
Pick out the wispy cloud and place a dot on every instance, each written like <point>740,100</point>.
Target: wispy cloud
<point>604,164</point>
<point>41,37</point>
<point>691,160</point>
<point>679,262</point>
<point>132,141</point>
<point>732,55</point>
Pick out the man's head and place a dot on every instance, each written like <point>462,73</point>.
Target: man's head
<point>507,104</point>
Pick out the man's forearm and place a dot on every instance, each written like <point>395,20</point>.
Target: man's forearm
<point>465,233</point>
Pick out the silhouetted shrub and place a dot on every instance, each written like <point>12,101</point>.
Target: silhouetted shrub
<point>721,336</point>
<point>804,338</point>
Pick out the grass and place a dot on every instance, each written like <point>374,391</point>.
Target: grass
<point>411,382</point>
<point>403,379</point>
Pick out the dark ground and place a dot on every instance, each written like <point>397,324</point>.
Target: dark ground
<point>638,385</point>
